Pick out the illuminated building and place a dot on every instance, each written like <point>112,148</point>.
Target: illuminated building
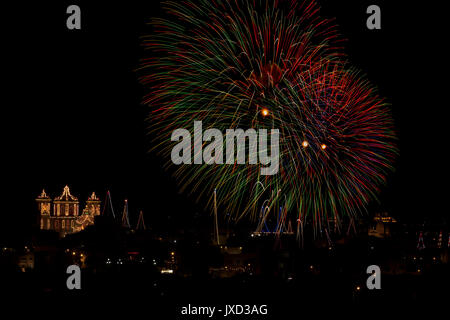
<point>26,260</point>
<point>65,217</point>
<point>382,226</point>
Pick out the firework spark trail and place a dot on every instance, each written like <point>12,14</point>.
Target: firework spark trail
<point>267,64</point>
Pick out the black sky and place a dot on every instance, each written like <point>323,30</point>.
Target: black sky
<point>72,112</point>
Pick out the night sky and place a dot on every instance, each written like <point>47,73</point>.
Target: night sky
<point>72,110</point>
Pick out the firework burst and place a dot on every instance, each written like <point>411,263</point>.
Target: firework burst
<point>267,64</point>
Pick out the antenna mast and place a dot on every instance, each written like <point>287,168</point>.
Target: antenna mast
<point>140,224</point>
<point>108,203</point>
<point>125,218</point>
<point>215,216</point>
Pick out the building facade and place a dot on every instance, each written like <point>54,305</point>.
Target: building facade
<point>62,214</point>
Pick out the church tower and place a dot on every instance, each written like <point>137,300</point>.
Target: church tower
<point>93,205</point>
<point>44,203</point>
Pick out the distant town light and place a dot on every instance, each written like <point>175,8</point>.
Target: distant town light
<point>166,271</point>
